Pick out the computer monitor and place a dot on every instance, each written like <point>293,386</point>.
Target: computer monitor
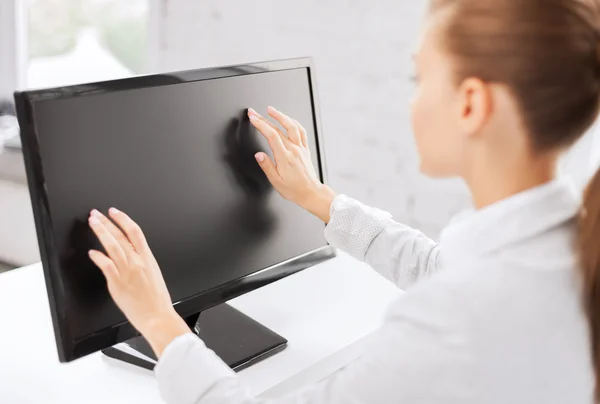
<point>176,152</point>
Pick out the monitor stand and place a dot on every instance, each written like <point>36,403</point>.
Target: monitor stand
<point>236,338</point>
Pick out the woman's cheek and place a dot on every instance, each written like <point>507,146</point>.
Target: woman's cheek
<point>428,123</point>
<point>419,123</point>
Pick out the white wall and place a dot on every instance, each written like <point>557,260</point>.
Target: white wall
<point>581,162</point>
<point>362,51</point>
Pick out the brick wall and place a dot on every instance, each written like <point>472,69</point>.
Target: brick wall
<point>362,51</point>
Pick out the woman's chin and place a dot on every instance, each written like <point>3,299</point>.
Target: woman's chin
<point>427,169</point>
<point>433,170</point>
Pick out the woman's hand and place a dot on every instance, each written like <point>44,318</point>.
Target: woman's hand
<point>134,279</point>
<point>292,174</point>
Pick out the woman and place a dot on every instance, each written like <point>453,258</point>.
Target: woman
<point>507,307</point>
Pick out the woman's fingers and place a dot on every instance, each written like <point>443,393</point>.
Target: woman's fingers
<point>289,124</point>
<point>110,244</point>
<point>275,141</point>
<point>106,265</point>
<point>134,233</point>
<point>115,231</point>
<point>303,135</point>
<point>268,168</point>
<point>282,135</point>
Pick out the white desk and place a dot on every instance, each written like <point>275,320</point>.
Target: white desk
<point>325,312</point>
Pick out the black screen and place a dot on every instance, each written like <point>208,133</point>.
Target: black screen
<point>179,159</point>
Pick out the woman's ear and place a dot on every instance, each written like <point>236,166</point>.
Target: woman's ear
<point>474,106</point>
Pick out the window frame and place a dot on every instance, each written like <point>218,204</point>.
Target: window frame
<point>12,46</point>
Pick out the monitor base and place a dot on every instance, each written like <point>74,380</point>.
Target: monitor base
<point>236,338</point>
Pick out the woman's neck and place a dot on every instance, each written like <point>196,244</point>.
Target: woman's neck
<point>491,183</point>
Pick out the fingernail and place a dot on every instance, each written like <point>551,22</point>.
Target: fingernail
<point>271,109</point>
<point>259,157</point>
<point>94,221</point>
<point>253,118</point>
<point>251,111</point>
<point>95,213</point>
<point>114,211</point>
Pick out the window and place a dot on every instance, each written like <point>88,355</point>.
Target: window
<point>46,43</point>
<point>77,41</point>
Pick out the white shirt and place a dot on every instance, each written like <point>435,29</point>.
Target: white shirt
<point>495,317</point>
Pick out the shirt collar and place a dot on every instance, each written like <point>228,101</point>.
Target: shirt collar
<point>512,220</point>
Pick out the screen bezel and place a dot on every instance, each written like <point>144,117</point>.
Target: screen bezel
<point>70,348</point>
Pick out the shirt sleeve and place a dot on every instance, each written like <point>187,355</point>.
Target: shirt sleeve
<point>187,369</point>
<point>417,356</point>
<point>399,253</point>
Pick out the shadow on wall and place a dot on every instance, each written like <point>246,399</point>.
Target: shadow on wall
<point>5,267</point>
